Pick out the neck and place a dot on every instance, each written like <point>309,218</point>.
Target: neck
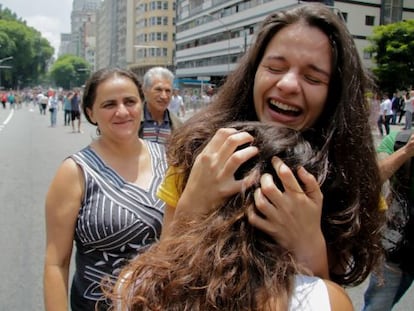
<point>124,148</point>
<point>156,115</point>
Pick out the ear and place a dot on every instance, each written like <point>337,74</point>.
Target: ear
<point>90,115</point>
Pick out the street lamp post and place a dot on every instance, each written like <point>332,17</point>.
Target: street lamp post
<point>1,67</point>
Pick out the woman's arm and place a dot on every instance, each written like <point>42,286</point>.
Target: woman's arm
<point>62,206</point>
<point>389,164</point>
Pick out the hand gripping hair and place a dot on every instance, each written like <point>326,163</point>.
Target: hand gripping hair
<point>221,262</point>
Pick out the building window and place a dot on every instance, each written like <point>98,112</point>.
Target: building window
<point>369,20</point>
<point>344,16</point>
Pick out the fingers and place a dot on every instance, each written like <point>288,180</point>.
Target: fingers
<point>220,159</point>
<point>224,145</point>
<point>311,185</point>
<point>286,176</point>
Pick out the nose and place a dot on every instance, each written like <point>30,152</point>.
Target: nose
<point>289,83</point>
<point>164,94</point>
<point>122,109</point>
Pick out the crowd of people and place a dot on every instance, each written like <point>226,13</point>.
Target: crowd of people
<point>270,197</point>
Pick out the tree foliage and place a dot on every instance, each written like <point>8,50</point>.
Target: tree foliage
<point>393,50</point>
<point>70,71</point>
<point>30,52</point>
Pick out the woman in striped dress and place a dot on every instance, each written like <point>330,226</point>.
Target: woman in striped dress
<point>102,197</point>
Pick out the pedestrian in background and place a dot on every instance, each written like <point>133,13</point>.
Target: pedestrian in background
<point>408,108</point>
<point>11,99</point>
<point>42,100</point>
<point>302,72</point>
<point>176,105</point>
<point>53,104</point>
<point>385,114</point>
<point>102,198</point>
<point>67,108</point>
<point>396,107</point>
<point>157,121</point>
<point>4,100</point>
<point>75,109</point>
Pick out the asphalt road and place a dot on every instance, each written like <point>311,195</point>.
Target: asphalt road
<point>30,152</point>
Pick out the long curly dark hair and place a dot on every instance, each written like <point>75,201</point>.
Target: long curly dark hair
<point>222,262</point>
<point>350,219</point>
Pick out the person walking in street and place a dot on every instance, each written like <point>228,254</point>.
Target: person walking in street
<point>389,282</point>
<point>53,104</point>
<point>385,114</point>
<point>42,100</point>
<point>408,108</point>
<point>176,105</point>
<point>11,99</point>
<point>67,108</point>
<point>75,109</point>
<point>102,199</point>
<point>157,121</point>
<point>4,99</point>
<point>396,107</point>
<point>401,111</point>
<point>302,72</point>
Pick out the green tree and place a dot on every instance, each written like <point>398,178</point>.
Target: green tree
<point>393,49</point>
<point>70,71</point>
<point>31,54</point>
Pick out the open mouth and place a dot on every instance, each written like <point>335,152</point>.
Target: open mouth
<point>284,109</point>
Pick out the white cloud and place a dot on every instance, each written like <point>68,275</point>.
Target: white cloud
<point>47,26</point>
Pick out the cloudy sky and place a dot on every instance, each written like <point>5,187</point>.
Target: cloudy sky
<point>50,17</point>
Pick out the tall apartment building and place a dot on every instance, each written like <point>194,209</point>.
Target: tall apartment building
<point>65,42</point>
<point>83,29</point>
<point>115,31</point>
<point>136,34</point>
<point>212,35</point>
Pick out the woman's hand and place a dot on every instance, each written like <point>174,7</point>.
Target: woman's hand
<point>212,177</point>
<point>293,217</point>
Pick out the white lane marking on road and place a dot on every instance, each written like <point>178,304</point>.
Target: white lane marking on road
<point>2,126</point>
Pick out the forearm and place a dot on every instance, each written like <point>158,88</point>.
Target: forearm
<point>389,164</point>
<point>55,289</point>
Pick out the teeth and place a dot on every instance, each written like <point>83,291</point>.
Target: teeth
<point>283,106</point>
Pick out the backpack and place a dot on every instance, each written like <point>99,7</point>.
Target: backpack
<point>398,234</point>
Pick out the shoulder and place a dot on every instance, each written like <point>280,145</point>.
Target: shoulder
<point>313,293</point>
<point>69,170</point>
<point>309,293</point>
<point>67,184</point>
<point>338,298</point>
<point>175,121</point>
